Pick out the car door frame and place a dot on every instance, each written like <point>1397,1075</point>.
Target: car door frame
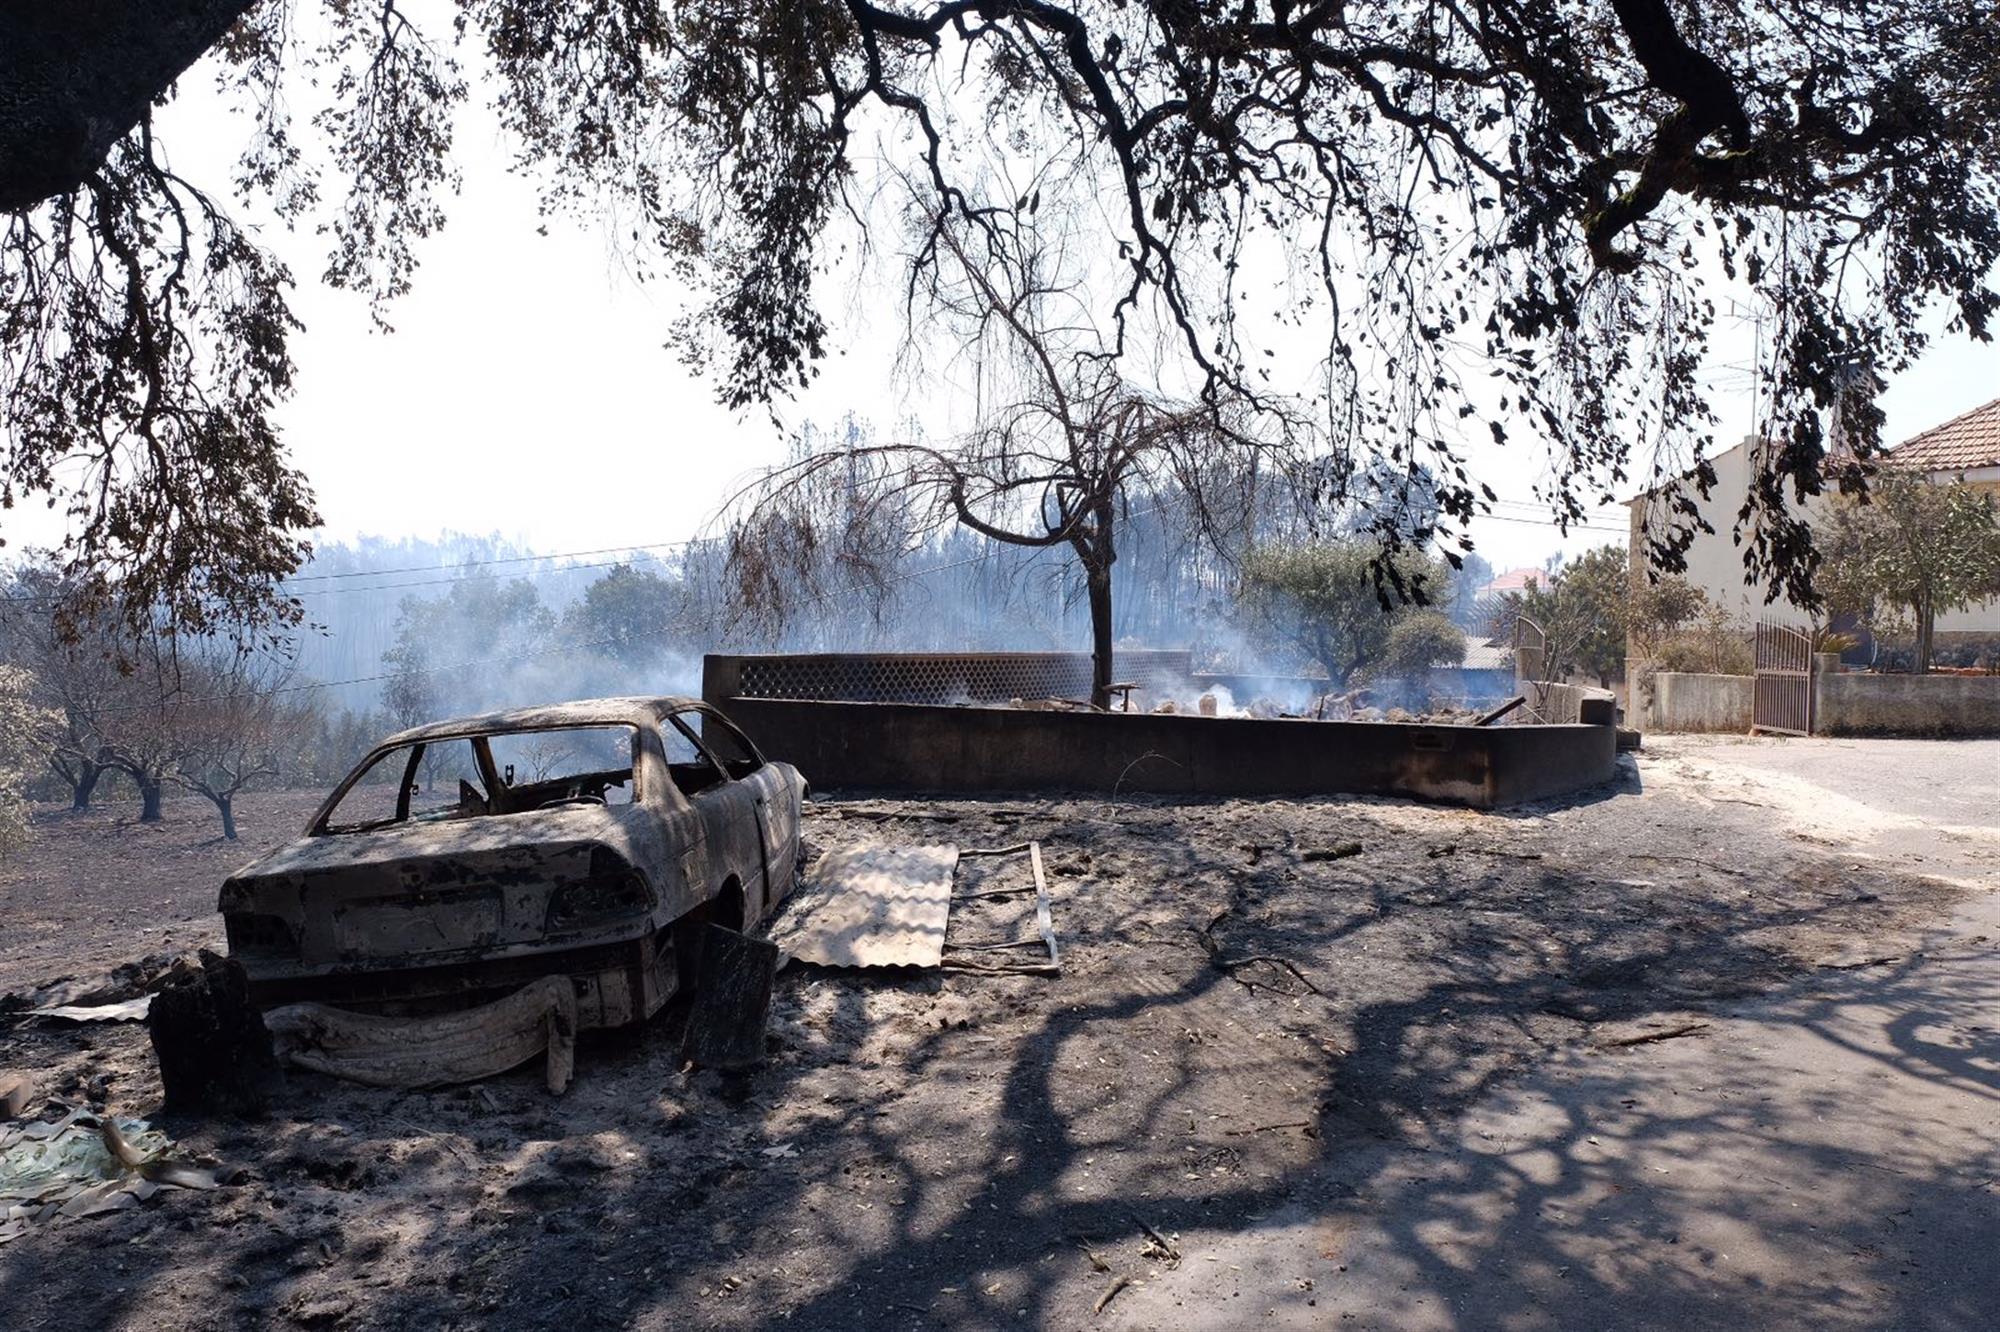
<point>774,792</point>
<point>758,787</point>
<point>724,807</point>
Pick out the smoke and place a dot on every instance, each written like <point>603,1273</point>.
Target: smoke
<point>410,631</point>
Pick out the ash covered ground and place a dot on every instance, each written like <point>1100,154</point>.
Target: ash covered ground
<point>1245,999</point>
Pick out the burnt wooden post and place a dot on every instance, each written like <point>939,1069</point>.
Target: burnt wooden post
<point>732,1000</point>
<point>214,1050</point>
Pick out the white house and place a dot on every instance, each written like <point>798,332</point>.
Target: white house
<point>1966,447</point>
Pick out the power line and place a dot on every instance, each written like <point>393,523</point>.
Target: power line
<point>433,568</point>
<point>444,582</point>
<point>474,564</point>
<point>1551,522</point>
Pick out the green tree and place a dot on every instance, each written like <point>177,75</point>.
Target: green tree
<point>1419,641</point>
<point>1335,602</point>
<point>1711,643</point>
<point>24,729</point>
<point>1658,608</point>
<point>1912,546</point>
<point>625,615</point>
<point>1547,183</point>
<point>1580,610</point>
<point>451,651</point>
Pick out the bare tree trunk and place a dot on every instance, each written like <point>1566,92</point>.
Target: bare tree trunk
<point>1926,633</point>
<point>149,797</point>
<point>226,803</point>
<point>82,783</point>
<point>85,785</point>
<point>1098,558</point>
<point>1100,638</point>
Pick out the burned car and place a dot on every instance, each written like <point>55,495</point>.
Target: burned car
<point>463,859</point>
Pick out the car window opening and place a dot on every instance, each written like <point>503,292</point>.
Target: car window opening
<point>498,773</point>
<point>692,768</point>
<point>729,746</point>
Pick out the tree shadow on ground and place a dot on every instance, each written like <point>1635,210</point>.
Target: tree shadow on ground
<point>929,1151</point>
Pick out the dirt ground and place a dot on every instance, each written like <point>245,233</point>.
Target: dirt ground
<point>1244,1007</point>
<point>101,888</point>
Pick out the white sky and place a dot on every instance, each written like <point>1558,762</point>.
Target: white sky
<point>526,389</point>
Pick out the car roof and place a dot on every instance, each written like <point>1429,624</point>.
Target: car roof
<point>580,712</point>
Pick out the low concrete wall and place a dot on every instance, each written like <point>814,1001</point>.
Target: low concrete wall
<point>1566,704</point>
<point>1944,705</point>
<point>1844,704</point>
<point>926,747</point>
<point>1685,702</point>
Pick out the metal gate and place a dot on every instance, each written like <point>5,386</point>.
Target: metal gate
<point>1531,649</point>
<point>1784,691</point>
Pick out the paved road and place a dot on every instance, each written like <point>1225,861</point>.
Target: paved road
<point>1824,1158</point>
<point>1927,806</point>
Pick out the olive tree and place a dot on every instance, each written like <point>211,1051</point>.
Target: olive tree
<point>1581,609</point>
<point>24,726</point>
<point>1500,220</point>
<point>1915,546</point>
<point>1341,603</point>
<point>238,723</point>
<point>1419,642</point>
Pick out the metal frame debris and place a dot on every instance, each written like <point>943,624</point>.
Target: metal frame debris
<point>1045,929</point>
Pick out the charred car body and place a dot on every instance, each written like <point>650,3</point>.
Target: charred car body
<point>463,859</point>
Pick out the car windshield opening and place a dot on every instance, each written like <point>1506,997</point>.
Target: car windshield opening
<point>570,765</point>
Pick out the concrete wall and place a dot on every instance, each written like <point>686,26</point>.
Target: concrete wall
<point>926,747</point>
<point>1949,705</point>
<point>1566,704</point>
<point>1686,702</point>
<point>1848,703</point>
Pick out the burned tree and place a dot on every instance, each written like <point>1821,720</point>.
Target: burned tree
<point>236,724</point>
<point>141,721</point>
<point>1503,219</point>
<point>1065,446</point>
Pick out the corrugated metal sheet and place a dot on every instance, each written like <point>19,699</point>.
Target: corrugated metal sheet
<point>872,905</point>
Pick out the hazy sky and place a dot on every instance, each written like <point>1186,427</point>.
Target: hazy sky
<point>526,389</point>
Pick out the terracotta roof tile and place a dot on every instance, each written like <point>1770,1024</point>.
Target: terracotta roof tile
<point>1514,580</point>
<point>1971,440</point>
